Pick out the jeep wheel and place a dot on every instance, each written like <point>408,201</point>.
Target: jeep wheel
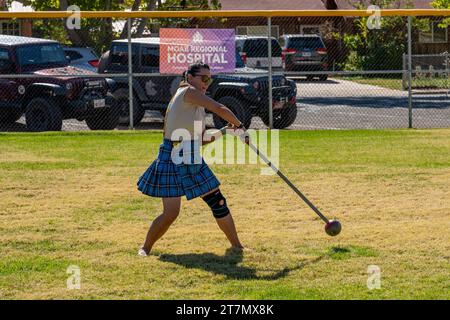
<point>281,118</point>
<point>43,114</point>
<point>122,98</point>
<point>238,109</point>
<point>9,117</point>
<point>105,118</point>
<point>323,77</point>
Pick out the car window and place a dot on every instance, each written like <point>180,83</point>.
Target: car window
<point>93,55</point>
<point>73,55</point>
<point>5,61</point>
<point>150,57</point>
<point>4,54</point>
<point>119,53</point>
<point>239,45</point>
<point>259,48</point>
<point>41,54</point>
<point>306,42</point>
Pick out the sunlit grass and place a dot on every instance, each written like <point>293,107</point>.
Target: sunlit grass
<point>71,199</point>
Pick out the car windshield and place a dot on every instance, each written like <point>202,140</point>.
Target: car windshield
<point>41,54</point>
<point>119,54</point>
<point>260,47</point>
<point>306,42</point>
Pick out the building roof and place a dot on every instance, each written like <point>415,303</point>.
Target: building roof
<point>272,5</point>
<point>397,4</point>
<point>309,4</point>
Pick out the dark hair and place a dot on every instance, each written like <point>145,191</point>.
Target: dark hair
<point>194,68</point>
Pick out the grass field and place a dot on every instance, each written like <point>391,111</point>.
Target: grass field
<point>70,199</point>
<point>396,84</point>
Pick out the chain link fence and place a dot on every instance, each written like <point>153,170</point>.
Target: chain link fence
<point>295,72</point>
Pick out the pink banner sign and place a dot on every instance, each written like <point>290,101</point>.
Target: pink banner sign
<point>181,47</point>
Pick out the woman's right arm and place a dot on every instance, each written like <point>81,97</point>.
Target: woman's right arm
<point>194,96</point>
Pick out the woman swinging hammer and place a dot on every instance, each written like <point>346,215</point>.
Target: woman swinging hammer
<point>169,179</point>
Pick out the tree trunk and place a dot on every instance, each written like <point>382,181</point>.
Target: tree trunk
<point>135,7</point>
<point>77,37</point>
<point>151,6</point>
<point>107,28</point>
<point>330,4</point>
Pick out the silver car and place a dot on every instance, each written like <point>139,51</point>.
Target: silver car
<point>82,57</point>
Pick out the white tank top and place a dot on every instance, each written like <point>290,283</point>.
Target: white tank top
<point>183,115</point>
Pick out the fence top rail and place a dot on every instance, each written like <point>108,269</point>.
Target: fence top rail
<point>223,13</point>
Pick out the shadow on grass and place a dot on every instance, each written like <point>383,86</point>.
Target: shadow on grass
<point>228,265</point>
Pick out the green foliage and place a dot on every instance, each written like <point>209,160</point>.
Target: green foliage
<point>98,33</point>
<point>442,4</point>
<point>190,5</point>
<point>376,49</point>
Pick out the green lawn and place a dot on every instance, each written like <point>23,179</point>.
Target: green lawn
<point>396,84</point>
<point>71,199</point>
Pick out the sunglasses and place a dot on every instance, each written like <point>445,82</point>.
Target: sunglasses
<point>205,78</point>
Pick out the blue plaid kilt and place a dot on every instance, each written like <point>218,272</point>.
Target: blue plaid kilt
<point>165,179</point>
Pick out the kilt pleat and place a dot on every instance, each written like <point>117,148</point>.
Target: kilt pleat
<point>165,179</point>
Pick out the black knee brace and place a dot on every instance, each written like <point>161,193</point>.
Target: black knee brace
<point>217,203</point>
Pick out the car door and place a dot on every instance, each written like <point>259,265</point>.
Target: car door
<point>8,86</point>
<point>158,88</point>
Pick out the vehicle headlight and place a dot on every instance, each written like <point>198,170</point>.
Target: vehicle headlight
<point>256,85</point>
<point>69,86</point>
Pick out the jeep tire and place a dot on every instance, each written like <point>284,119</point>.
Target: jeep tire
<point>43,114</point>
<point>9,117</point>
<point>281,118</point>
<point>237,107</point>
<point>105,118</point>
<point>122,97</point>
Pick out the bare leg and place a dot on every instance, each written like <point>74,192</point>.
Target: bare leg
<point>162,223</point>
<point>226,224</point>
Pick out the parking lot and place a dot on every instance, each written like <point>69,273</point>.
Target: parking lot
<point>343,104</point>
<point>331,104</point>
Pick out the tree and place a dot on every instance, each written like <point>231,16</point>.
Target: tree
<point>377,49</point>
<point>173,5</point>
<point>98,33</point>
<point>442,4</point>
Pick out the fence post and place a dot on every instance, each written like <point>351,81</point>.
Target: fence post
<point>405,72</point>
<point>269,39</point>
<point>410,106</point>
<point>446,71</point>
<point>130,75</point>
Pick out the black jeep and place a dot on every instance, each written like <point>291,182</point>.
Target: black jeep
<point>245,92</point>
<point>47,90</point>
